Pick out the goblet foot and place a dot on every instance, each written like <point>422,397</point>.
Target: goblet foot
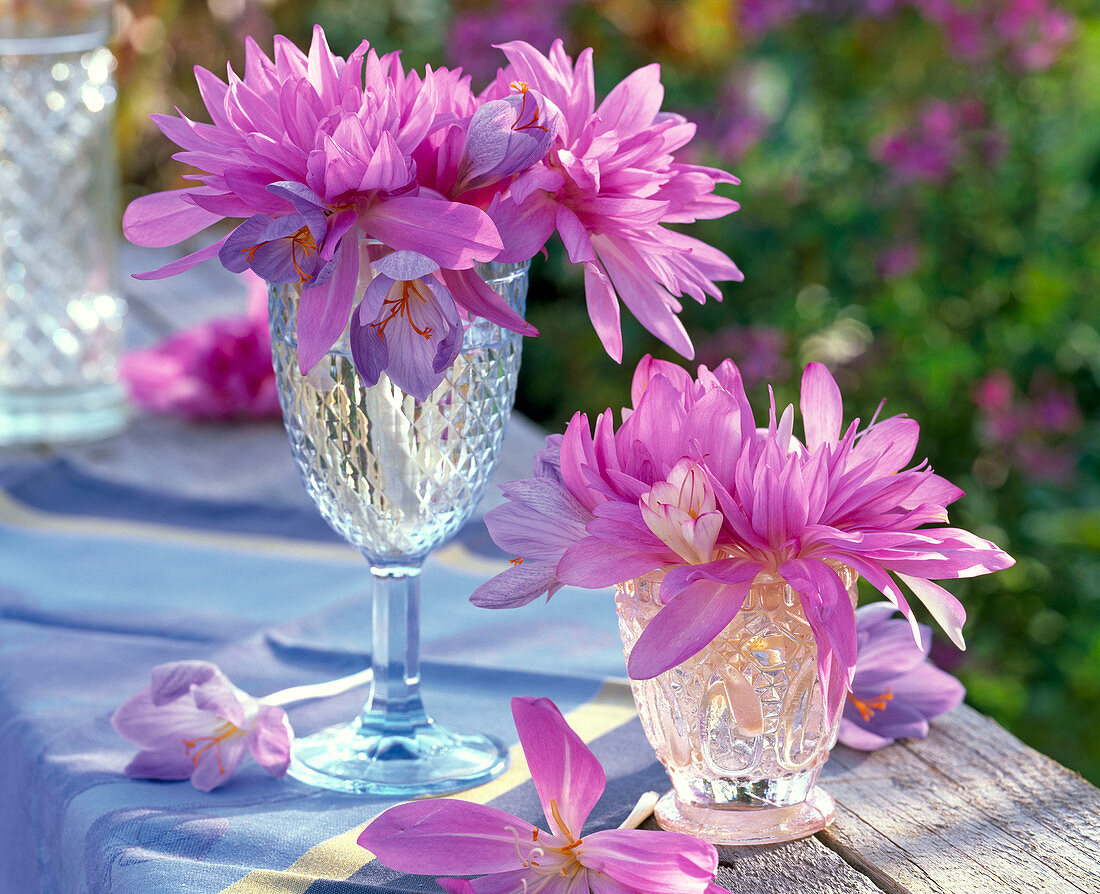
<point>738,825</point>
<point>418,761</point>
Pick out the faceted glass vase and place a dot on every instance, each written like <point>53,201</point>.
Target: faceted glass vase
<point>741,726</point>
<point>396,477</point>
<point>60,316</point>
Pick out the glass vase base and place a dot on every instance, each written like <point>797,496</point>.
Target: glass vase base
<point>63,416</point>
<point>427,761</point>
<point>746,826</point>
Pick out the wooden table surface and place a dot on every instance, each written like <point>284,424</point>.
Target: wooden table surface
<point>969,809</point>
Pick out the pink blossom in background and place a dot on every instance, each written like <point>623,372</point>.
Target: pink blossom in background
<point>1034,432</point>
<point>943,137</point>
<point>1035,31</point>
<point>758,350</point>
<point>899,260</point>
<point>474,31</point>
<point>218,370</point>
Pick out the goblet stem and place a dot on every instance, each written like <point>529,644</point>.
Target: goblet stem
<point>394,710</point>
<point>393,747</point>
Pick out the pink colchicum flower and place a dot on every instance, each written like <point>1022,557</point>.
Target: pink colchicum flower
<point>795,509</point>
<point>453,837</point>
<point>192,723</point>
<point>313,150</point>
<point>608,185</point>
<point>896,690</point>
<point>218,370</point>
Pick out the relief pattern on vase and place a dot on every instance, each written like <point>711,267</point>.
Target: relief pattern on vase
<point>742,722</point>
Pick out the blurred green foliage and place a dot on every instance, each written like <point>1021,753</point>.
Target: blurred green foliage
<point>924,222</point>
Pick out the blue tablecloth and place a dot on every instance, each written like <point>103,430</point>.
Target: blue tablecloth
<point>100,581</point>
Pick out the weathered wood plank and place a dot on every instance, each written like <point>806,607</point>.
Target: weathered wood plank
<point>796,867</point>
<point>969,809</point>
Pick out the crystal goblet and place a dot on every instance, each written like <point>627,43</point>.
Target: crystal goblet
<point>397,477</point>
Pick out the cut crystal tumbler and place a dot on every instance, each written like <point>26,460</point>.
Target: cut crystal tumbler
<point>396,477</point>
<point>741,726</point>
<point>60,318</point>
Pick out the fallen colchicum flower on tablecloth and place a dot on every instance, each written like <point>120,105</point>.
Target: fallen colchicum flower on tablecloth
<point>456,837</point>
<point>689,484</point>
<point>896,690</point>
<point>314,151</point>
<point>192,723</point>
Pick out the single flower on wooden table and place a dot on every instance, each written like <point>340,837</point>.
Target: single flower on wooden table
<point>690,485</point>
<point>896,690</point>
<point>453,837</point>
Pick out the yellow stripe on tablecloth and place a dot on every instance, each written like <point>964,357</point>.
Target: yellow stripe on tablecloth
<point>340,857</point>
<point>17,514</point>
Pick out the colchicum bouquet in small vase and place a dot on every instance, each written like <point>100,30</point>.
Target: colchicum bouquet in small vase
<point>393,215</point>
<point>735,551</point>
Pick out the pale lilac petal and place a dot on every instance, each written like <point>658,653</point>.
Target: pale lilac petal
<point>855,736</point>
<point>447,837</point>
<point>324,310</point>
<point>821,406</point>
<point>566,774</point>
<point>669,862</point>
<point>167,763</point>
<point>598,883</point>
<point>156,727</point>
<point>164,218</point>
<point>927,690</point>
<point>518,585</point>
<point>684,626</point>
<point>217,763</point>
<point>269,740</point>
<point>405,265</point>
<point>175,679</point>
<point>221,699</point>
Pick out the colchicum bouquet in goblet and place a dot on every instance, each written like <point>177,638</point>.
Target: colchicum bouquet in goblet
<point>393,215</point>
<point>735,550</point>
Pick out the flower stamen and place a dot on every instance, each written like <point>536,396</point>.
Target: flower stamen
<point>523,90</point>
<point>868,707</point>
<point>400,307</point>
<point>517,561</point>
<point>226,730</point>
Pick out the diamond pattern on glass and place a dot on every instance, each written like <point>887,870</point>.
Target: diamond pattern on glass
<point>395,476</point>
<point>742,720</point>
<point>60,324</point>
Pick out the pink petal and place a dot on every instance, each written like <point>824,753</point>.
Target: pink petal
<point>497,883</point>
<point>566,774</point>
<point>453,235</point>
<point>447,837</point>
<point>324,310</point>
<point>479,298</point>
<point>945,608</point>
<point>594,563</point>
<point>184,263</point>
<point>524,228</point>
<point>269,740</point>
<point>821,406</point>
<point>684,626</point>
<point>603,309</point>
<point>634,102</point>
<point>895,438</point>
<point>645,860</point>
<point>164,218</point>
